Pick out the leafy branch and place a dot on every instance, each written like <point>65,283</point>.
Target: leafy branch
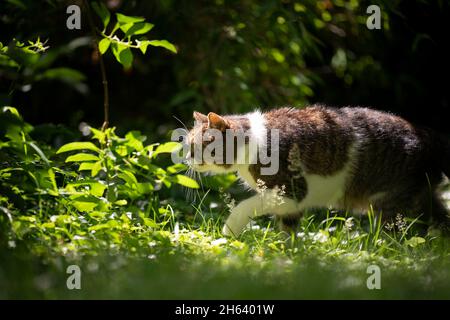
<point>132,29</point>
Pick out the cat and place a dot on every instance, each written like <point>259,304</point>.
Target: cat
<point>346,158</point>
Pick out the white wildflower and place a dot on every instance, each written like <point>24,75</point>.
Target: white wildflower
<point>400,222</point>
<point>349,223</point>
<point>261,187</point>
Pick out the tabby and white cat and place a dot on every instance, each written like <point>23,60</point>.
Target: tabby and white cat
<point>347,158</point>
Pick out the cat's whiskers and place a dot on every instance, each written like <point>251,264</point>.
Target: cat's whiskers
<point>200,179</point>
<point>182,123</point>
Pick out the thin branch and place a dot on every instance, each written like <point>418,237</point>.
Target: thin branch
<point>102,69</point>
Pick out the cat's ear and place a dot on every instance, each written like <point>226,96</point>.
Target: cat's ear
<point>200,117</point>
<point>217,122</point>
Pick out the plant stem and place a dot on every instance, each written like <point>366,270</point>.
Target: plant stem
<point>102,69</point>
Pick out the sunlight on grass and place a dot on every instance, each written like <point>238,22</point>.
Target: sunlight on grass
<point>325,258</point>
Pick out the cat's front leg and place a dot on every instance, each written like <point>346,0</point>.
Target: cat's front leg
<point>257,205</point>
<point>241,214</point>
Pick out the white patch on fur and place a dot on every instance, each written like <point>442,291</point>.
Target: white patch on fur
<point>328,191</point>
<point>258,135</point>
<point>323,191</point>
<point>258,128</point>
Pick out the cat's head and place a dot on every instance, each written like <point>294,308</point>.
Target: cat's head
<point>213,142</point>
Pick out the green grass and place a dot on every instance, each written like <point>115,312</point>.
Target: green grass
<point>326,258</point>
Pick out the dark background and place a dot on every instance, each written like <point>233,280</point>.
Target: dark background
<point>234,56</point>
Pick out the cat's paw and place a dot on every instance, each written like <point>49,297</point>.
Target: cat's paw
<point>226,231</point>
<point>238,219</point>
<point>230,230</point>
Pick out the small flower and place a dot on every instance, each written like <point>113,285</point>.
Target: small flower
<point>261,187</point>
<point>389,226</point>
<point>400,222</point>
<point>227,199</point>
<point>231,204</point>
<point>349,223</point>
<point>279,195</point>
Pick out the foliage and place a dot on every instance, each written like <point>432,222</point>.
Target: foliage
<point>130,27</point>
<point>102,185</point>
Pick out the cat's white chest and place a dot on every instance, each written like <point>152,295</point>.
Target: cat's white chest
<point>325,191</point>
<point>322,191</point>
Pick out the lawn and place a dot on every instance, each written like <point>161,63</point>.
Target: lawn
<point>327,258</point>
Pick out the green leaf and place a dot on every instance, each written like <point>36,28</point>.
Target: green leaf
<point>84,204</point>
<point>111,224</point>
<point>150,223</point>
<point>167,147</point>
<point>80,157</point>
<point>128,177</point>
<point>85,166</point>
<point>163,43</point>
<point>121,202</point>
<point>102,12</point>
<point>134,140</point>
<point>143,45</point>
<point>139,28</point>
<point>176,168</point>
<point>51,177</point>
<point>415,241</point>
<point>125,27</point>
<point>18,3</point>
<point>78,146</point>
<point>39,152</point>
<point>12,110</point>
<point>48,225</point>
<point>64,74</point>
<point>186,181</point>
<point>123,19</point>
<point>123,54</point>
<point>126,58</point>
<point>96,168</point>
<point>144,187</point>
<point>98,135</point>
<point>97,189</point>
<point>103,45</point>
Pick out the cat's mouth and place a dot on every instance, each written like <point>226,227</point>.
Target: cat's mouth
<point>211,168</point>
<point>199,167</point>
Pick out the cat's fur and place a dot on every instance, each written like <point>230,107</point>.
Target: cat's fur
<point>347,158</point>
